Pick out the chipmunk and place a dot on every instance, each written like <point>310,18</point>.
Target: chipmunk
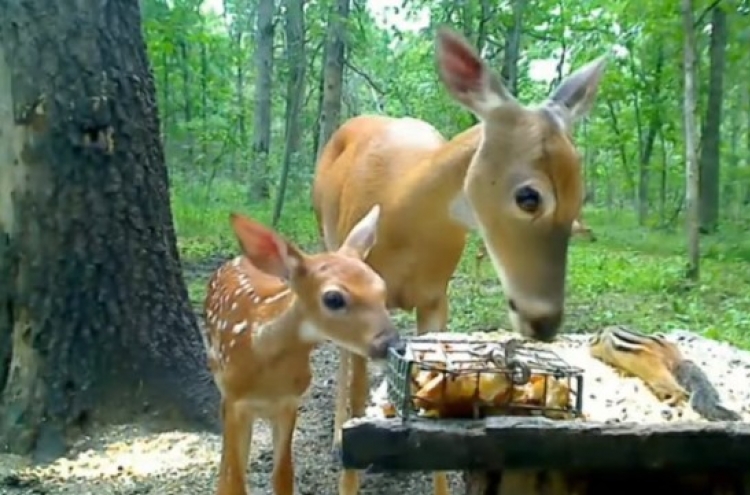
<point>660,364</point>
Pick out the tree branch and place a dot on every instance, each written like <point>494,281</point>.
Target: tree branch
<point>366,77</point>
<point>705,12</point>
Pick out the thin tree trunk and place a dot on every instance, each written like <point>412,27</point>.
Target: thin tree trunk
<point>710,154</point>
<point>691,131</point>
<point>204,102</point>
<point>319,112</point>
<point>295,38</point>
<point>187,101</point>
<point>259,188</point>
<point>513,47</point>
<point>647,140</point>
<point>330,114</point>
<point>166,95</point>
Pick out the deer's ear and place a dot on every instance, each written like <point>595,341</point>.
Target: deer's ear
<point>265,248</point>
<point>362,237</point>
<point>577,92</point>
<point>466,76</point>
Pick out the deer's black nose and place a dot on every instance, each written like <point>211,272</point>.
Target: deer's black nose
<point>545,328</point>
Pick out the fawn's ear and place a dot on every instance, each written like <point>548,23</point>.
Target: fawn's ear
<point>466,76</point>
<point>265,248</point>
<point>362,237</point>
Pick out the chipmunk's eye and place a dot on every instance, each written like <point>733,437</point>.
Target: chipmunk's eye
<point>333,300</point>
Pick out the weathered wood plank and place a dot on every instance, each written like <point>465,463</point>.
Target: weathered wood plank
<point>606,482</point>
<point>539,443</point>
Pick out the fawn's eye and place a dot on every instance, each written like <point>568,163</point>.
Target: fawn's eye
<point>333,300</point>
<point>528,199</point>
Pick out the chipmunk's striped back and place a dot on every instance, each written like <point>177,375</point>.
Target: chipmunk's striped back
<point>660,364</point>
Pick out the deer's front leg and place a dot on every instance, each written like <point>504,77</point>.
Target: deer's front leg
<point>235,447</point>
<point>359,390</point>
<point>359,386</point>
<point>433,317</point>
<point>342,397</point>
<point>283,462</point>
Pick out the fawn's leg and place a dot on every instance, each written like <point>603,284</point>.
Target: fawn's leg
<point>359,391</point>
<point>283,462</point>
<point>434,318</point>
<point>236,438</point>
<point>342,395</point>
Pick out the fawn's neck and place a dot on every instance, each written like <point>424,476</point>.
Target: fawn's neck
<point>288,330</point>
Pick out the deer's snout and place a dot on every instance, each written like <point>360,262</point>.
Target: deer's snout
<point>545,327</point>
<point>536,323</point>
<point>387,339</point>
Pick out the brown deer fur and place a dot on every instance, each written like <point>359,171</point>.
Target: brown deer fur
<point>515,177</point>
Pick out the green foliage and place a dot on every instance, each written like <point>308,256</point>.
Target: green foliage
<point>203,66</point>
<point>628,276</point>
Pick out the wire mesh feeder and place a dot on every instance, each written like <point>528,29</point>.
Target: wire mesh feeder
<point>477,378</point>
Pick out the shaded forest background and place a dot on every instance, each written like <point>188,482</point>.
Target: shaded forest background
<point>248,90</point>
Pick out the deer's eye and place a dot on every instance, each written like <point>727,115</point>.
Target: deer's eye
<point>333,300</point>
<point>528,199</point>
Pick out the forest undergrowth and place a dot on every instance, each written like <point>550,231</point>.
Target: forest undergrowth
<point>631,275</point>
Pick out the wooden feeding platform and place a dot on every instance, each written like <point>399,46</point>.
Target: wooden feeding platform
<point>625,441</point>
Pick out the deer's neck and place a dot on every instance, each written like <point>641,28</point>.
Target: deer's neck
<point>288,330</point>
<point>439,181</point>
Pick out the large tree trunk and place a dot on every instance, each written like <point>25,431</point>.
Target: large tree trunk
<point>333,75</point>
<point>259,189</point>
<point>711,135</point>
<point>691,131</point>
<point>94,314</point>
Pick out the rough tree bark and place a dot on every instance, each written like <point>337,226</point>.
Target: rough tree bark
<point>259,189</point>
<point>295,93</point>
<point>333,74</point>
<point>94,315</point>
<point>691,131</point>
<point>710,154</point>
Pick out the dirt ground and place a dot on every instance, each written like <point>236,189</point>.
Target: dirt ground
<point>134,459</point>
<point>143,459</point>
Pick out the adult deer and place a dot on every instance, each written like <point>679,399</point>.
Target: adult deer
<point>579,229</point>
<point>516,177</point>
<point>265,312</point>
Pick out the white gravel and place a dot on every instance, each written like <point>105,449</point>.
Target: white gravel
<point>611,397</point>
<point>137,460</point>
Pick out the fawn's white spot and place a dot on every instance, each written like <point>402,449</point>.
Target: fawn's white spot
<point>309,332</point>
<point>277,296</point>
<point>239,327</point>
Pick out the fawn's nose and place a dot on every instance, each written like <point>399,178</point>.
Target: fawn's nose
<point>385,341</point>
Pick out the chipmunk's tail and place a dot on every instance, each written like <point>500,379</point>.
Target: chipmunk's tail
<point>704,398</point>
